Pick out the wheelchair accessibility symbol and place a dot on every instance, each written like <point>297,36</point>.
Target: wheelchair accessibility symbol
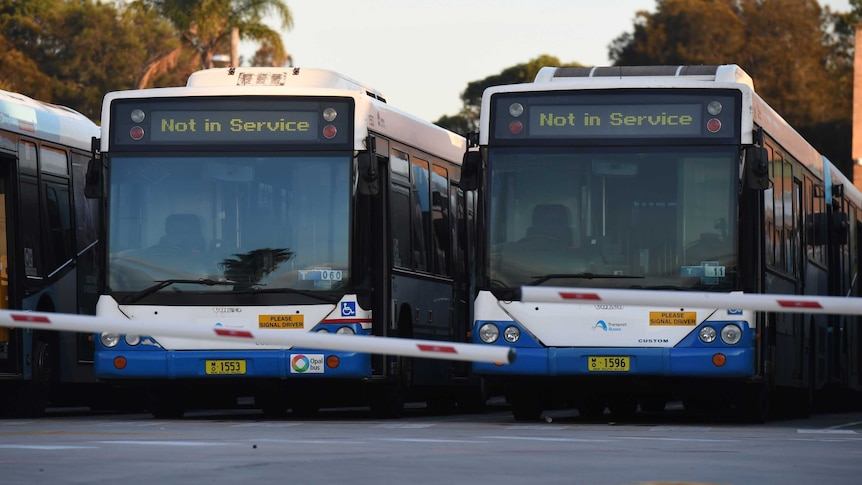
<point>348,309</point>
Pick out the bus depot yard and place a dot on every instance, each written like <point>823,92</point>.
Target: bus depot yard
<point>288,237</point>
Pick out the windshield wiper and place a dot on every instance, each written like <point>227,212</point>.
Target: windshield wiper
<point>583,276</point>
<point>664,287</point>
<point>165,283</point>
<point>255,289</point>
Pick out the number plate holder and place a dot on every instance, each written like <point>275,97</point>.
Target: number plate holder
<point>608,363</point>
<point>233,367</point>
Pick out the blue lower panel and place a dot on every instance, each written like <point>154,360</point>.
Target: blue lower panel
<point>645,362</point>
<point>183,364</point>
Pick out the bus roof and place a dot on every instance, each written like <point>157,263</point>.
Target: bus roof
<point>373,112</point>
<point>280,76</point>
<point>44,121</point>
<point>728,73</point>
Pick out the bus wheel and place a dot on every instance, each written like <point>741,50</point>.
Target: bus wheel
<point>165,404</point>
<point>30,398</point>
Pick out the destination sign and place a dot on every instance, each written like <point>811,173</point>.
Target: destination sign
<point>636,121</point>
<point>237,123</point>
<point>173,126</point>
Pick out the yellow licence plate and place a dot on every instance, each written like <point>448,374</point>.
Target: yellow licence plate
<point>613,363</point>
<point>225,367</point>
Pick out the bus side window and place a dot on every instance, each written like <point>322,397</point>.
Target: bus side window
<point>440,226</point>
<point>399,195</point>
<point>58,241</point>
<point>421,214</point>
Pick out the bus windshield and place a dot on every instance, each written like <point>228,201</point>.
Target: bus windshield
<point>650,217</point>
<point>233,221</point>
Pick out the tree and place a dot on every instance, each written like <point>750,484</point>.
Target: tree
<point>793,50</point>
<point>73,52</point>
<point>204,29</point>
<point>468,119</point>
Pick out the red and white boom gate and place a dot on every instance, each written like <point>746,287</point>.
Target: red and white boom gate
<point>430,349</point>
<point>838,305</point>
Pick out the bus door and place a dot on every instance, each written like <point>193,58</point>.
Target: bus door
<point>840,281</point>
<point>7,363</point>
<point>420,287</point>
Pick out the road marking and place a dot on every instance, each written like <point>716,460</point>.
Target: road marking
<point>266,425</point>
<point>825,431</point>
<point>164,443</point>
<point>404,426</point>
<point>429,440</point>
<point>541,438</point>
<point>46,447</point>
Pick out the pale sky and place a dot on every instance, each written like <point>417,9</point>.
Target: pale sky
<point>421,54</point>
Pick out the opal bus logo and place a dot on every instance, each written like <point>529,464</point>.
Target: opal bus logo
<point>306,364</point>
<point>299,363</point>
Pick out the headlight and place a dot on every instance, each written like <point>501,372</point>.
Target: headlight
<point>345,331</point>
<point>731,334</point>
<point>707,335</point>
<point>133,340</point>
<point>322,330</point>
<point>512,334</point>
<point>489,333</point>
<point>109,339</point>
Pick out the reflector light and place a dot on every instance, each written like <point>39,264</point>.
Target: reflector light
<point>136,133</point>
<point>329,131</point>
<point>719,360</point>
<point>120,362</point>
<point>713,108</point>
<point>516,109</point>
<point>516,127</point>
<point>332,361</point>
<point>137,115</point>
<point>713,125</point>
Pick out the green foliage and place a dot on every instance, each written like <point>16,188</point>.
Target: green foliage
<point>204,29</point>
<point>799,55</point>
<point>73,52</point>
<point>468,119</point>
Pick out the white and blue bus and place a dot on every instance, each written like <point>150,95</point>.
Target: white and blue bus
<point>281,198</point>
<point>661,177</point>
<point>49,252</point>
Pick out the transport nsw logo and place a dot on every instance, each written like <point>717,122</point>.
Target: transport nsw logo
<point>609,326</point>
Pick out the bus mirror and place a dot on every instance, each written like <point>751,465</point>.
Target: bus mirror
<point>470,170</point>
<point>369,180</point>
<point>757,168</point>
<point>93,187</point>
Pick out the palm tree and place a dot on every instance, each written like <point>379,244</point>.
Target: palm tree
<point>204,28</point>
